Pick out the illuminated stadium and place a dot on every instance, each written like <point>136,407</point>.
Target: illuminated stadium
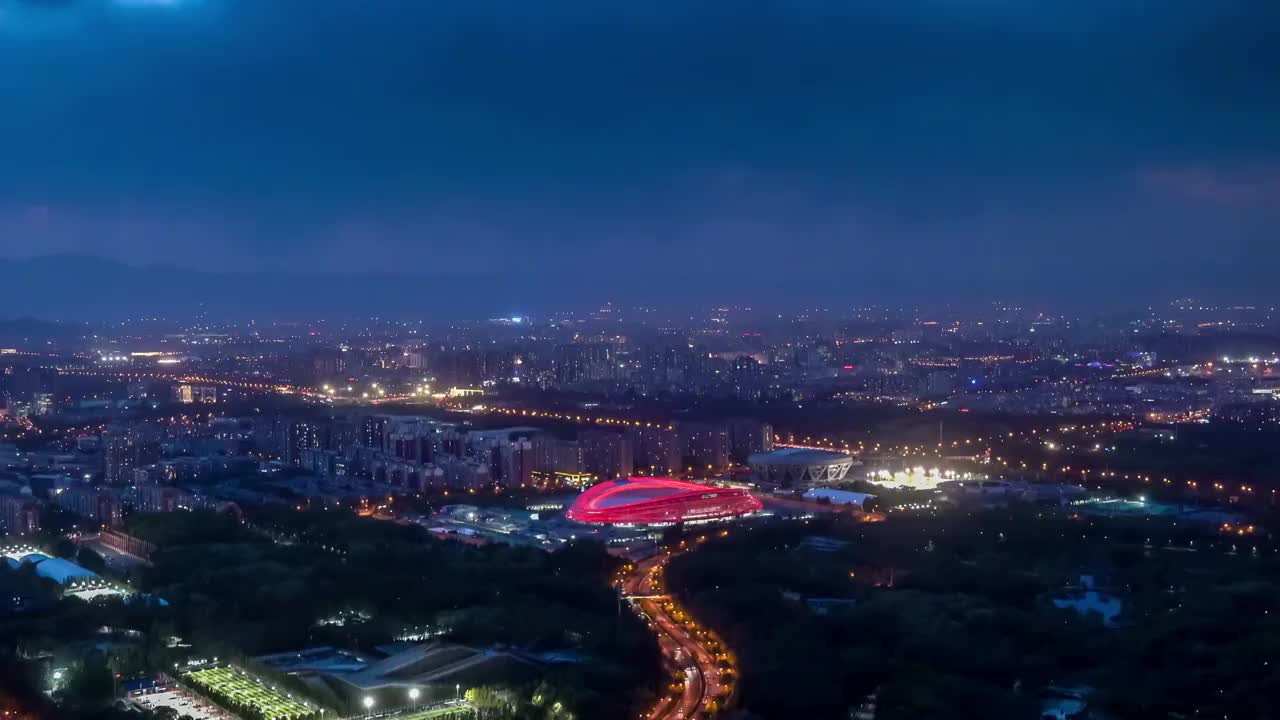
<point>795,467</point>
<point>659,501</point>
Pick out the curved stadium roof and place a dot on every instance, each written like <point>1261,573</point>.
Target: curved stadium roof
<point>648,501</point>
<point>56,569</point>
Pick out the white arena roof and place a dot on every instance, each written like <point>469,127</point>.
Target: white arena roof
<point>799,456</point>
<point>799,467</point>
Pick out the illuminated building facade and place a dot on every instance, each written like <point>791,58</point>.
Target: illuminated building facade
<point>558,479</point>
<point>659,501</point>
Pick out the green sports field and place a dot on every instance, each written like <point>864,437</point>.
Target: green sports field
<point>241,692</point>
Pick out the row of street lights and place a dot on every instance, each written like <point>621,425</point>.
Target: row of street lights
<point>414,694</point>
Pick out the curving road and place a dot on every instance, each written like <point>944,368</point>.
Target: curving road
<point>684,643</point>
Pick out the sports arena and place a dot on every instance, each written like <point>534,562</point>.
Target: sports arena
<point>801,468</point>
<point>659,501</point>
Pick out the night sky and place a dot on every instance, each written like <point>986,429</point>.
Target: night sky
<point>945,146</point>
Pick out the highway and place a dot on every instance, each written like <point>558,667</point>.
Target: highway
<point>685,645</point>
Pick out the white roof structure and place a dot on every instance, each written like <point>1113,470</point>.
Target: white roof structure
<point>799,467</point>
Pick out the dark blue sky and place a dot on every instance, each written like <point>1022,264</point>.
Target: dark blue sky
<point>1055,143</point>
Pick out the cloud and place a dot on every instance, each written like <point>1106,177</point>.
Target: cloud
<point>1233,189</point>
<point>587,135</point>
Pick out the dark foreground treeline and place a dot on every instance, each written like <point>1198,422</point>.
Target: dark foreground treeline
<point>969,628</point>
<point>236,590</point>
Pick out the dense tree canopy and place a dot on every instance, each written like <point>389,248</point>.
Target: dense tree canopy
<point>953,616</point>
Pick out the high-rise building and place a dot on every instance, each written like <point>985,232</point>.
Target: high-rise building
<point>456,366</point>
<point>465,474</point>
<point>672,363</point>
<point>325,463</point>
<point>324,364</point>
<point>509,453</point>
<point>582,363</point>
<point>747,436</point>
<point>100,507</point>
<point>373,431</point>
<point>502,365</point>
<point>606,454</point>
<point>705,445</point>
<point>19,515</point>
<point>187,394</point>
<point>656,449</point>
<point>565,456</point>
<point>519,461</point>
<point>344,432</point>
<point>412,439</point>
<point>301,435</point>
<point>126,450</point>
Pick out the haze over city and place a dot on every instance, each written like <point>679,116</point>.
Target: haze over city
<point>949,151</point>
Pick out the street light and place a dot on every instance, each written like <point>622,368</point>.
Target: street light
<point>413,696</point>
<point>368,705</point>
<point>457,691</point>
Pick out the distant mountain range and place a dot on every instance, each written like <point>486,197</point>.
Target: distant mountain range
<point>94,288</point>
<point>87,288</point>
<point>21,331</point>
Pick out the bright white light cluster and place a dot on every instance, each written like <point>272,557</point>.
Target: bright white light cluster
<point>917,478</point>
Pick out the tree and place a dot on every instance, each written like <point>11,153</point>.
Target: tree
<point>93,683</point>
<point>64,548</point>
<point>90,560</point>
<point>485,699</point>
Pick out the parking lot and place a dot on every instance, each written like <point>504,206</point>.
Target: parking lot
<point>183,702</point>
